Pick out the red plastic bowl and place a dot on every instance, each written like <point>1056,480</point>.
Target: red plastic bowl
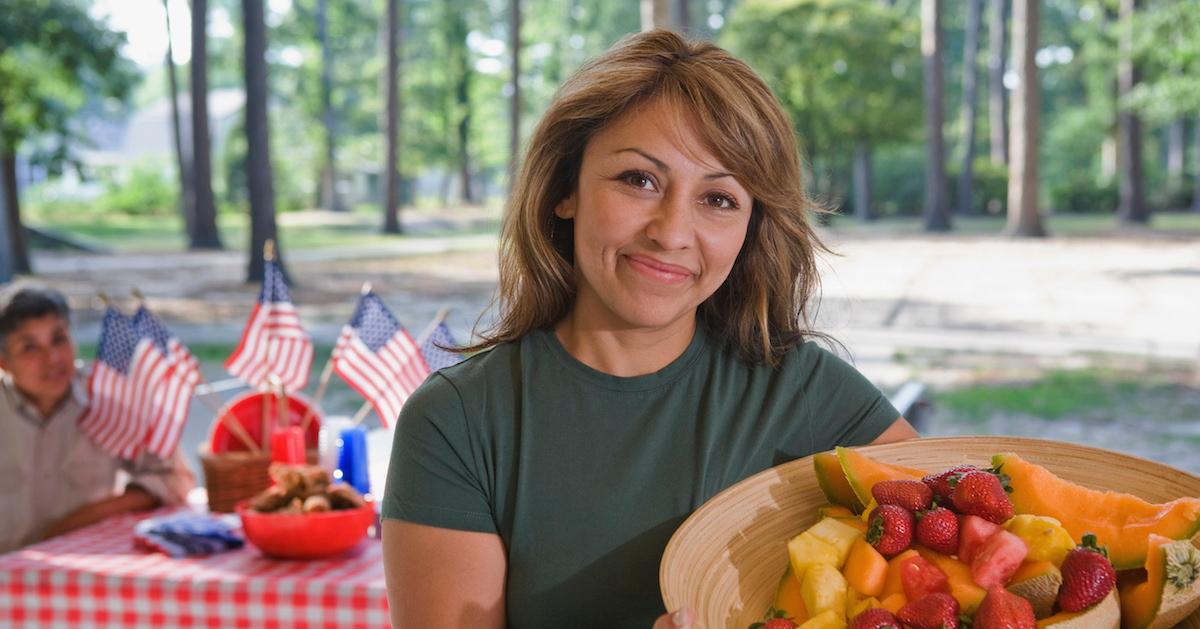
<point>247,410</point>
<point>307,536</point>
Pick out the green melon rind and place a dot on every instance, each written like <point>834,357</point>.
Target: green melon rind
<point>833,493</point>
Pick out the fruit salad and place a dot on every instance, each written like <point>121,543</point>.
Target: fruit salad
<point>1004,546</point>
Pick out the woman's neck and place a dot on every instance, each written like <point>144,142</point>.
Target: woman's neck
<point>623,352</point>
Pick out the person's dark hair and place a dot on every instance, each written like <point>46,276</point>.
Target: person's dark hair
<point>33,302</point>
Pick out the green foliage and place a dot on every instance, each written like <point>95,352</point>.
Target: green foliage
<point>1057,394</point>
<point>1166,40</point>
<point>1082,192</point>
<point>146,190</point>
<point>845,70</point>
<point>989,186</point>
<point>898,180</point>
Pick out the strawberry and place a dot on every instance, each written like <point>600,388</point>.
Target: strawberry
<point>890,529</point>
<point>910,494</point>
<point>940,483</point>
<point>874,618</point>
<point>1087,574</point>
<point>937,529</point>
<point>980,493</point>
<point>775,619</point>
<point>1002,609</point>
<point>935,611</point>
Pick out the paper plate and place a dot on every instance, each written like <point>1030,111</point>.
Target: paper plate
<point>247,409</point>
<point>725,560</point>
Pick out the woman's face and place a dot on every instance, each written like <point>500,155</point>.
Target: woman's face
<point>658,222</point>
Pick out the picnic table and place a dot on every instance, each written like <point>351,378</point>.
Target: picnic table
<point>95,577</point>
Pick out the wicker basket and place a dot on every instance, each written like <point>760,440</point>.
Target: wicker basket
<point>232,477</point>
<point>725,560</point>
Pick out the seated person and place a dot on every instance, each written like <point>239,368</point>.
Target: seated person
<point>53,479</point>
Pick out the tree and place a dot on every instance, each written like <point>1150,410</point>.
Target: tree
<point>845,44</point>
<point>514,116</point>
<point>391,212</point>
<point>7,261</point>
<point>1131,207</point>
<point>262,190</point>
<point>204,234</point>
<point>937,216</point>
<point>997,110</point>
<point>655,14</point>
<point>54,58</point>
<point>187,189</point>
<point>1024,218</point>
<point>970,71</point>
<point>330,199</point>
<point>460,67</point>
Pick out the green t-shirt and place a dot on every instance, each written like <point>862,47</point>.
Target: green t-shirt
<point>585,475</point>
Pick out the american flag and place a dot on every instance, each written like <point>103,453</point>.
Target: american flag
<point>173,395</point>
<point>435,356</point>
<point>121,387</point>
<point>274,343</point>
<point>376,356</point>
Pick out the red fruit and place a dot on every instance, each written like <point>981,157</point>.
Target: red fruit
<point>874,618</point>
<point>910,494</point>
<point>998,560</point>
<point>779,623</point>
<point>890,529</point>
<point>940,483</point>
<point>973,533</point>
<point>1002,609</point>
<point>936,611</point>
<point>1088,576</point>
<point>980,493</point>
<point>775,619</point>
<point>938,530</point>
<point>920,578</point>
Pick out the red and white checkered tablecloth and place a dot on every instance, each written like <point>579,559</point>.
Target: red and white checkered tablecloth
<point>96,578</point>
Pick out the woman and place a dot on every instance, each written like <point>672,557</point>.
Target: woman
<point>656,265</point>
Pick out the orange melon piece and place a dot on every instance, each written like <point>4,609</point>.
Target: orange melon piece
<point>834,511</point>
<point>1121,522</point>
<point>1171,590</point>
<point>958,576</point>
<point>789,599</point>
<point>862,472</point>
<point>833,481</point>
<point>865,569</point>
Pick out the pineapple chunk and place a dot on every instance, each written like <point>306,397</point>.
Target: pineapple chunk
<point>1045,536</point>
<point>857,603</point>
<point>806,550</point>
<point>824,589</point>
<point>837,534</point>
<point>824,620</point>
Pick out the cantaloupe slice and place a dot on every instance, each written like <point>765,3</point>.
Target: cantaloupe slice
<point>833,481</point>
<point>1037,581</point>
<point>1171,590</point>
<point>862,472</point>
<point>1103,615</point>
<point>1121,522</point>
<point>789,600</point>
<point>958,576</point>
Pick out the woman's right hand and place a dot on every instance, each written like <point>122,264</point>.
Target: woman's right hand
<point>675,620</point>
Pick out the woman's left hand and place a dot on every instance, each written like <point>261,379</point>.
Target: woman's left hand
<point>675,620</point>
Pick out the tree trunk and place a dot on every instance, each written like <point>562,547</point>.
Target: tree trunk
<point>462,98</point>
<point>8,267</point>
<point>1131,207</point>
<point>1196,165</point>
<point>330,199</point>
<point>1175,151</point>
<point>862,181</point>
<point>997,114</point>
<point>187,189</point>
<point>258,143</point>
<point>514,109</point>
<point>682,16</point>
<point>967,113</point>
<point>391,176</point>
<point>655,14</point>
<point>204,234</point>
<point>12,199</point>
<point>937,218</point>
<point>1024,218</point>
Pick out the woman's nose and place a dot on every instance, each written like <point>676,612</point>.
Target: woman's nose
<point>671,226</point>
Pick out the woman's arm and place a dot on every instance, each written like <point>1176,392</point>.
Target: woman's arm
<point>898,431</point>
<point>439,577</point>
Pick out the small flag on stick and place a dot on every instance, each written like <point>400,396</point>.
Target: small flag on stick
<point>173,393</point>
<point>431,347</point>
<point>274,342</point>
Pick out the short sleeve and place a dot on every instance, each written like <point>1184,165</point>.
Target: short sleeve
<point>847,409</point>
<point>434,475</point>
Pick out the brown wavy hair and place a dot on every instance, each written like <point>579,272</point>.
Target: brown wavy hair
<point>762,308</point>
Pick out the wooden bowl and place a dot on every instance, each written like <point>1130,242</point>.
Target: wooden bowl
<point>725,560</point>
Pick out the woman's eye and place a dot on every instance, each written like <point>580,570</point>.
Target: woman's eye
<point>638,180</point>
<point>722,201</point>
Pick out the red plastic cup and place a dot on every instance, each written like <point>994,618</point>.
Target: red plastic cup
<point>287,445</point>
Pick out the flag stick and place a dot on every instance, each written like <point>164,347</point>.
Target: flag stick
<point>281,405</point>
<point>361,414</point>
<point>309,413</point>
<point>437,319</point>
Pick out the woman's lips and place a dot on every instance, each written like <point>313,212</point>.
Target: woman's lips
<point>658,270</point>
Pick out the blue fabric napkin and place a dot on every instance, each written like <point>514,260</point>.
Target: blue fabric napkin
<point>187,534</point>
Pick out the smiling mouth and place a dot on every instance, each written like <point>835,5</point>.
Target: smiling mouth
<point>659,271</point>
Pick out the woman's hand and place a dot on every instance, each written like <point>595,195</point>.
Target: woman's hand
<point>679,618</point>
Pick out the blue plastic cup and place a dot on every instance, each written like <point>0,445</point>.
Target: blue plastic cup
<point>352,460</point>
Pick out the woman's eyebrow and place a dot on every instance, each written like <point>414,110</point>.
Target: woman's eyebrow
<point>662,165</point>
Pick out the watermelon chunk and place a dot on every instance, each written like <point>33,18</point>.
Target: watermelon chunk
<point>998,560</point>
<point>973,533</point>
<point>920,577</point>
